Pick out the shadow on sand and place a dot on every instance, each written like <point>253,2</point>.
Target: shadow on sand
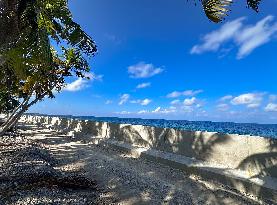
<point>186,143</point>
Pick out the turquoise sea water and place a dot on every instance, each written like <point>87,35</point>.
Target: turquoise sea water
<point>264,130</point>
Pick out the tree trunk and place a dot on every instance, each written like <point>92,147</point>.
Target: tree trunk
<point>13,119</point>
<point>21,105</point>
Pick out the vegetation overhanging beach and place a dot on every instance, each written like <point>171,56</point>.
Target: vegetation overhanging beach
<point>41,47</point>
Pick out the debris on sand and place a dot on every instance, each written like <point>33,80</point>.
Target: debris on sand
<point>28,176</point>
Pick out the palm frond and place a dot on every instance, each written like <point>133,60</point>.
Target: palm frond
<point>254,4</point>
<point>216,10</point>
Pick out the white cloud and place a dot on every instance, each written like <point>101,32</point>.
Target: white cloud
<point>199,105</point>
<point>252,37</point>
<point>123,113</point>
<point>146,102</point>
<point>254,105</point>
<point>143,70</point>
<point>93,76</point>
<point>252,100</point>
<point>188,105</point>
<point>158,110</point>
<point>76,85</point>
<point>192,92</point>
<point>142,111</point>
<point>213,40</point>
<point>113,38</point>
<point>222,107</point>
<point>142,102</point>
<point>187,109</point>
<point>172,108</point>
<point>271,107</point>
<point>246,37</point>
<point>176,94</point>
<point>143,85</point>
<point>123,99</point>
<point>272,98</point>
<point>226,97</point>
<point>175,102</point>
<point>108,102</point>
<point>189,101</point>
<point>82,83</point>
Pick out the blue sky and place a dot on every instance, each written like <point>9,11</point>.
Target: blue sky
<point>164,59</point>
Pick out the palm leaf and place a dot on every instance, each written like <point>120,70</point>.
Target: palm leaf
<point>254,4</point>
<point>216,10</point>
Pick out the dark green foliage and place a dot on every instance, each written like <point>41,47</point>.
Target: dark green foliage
<point>41,45</point>
<point>7,102</point>
<point>8,87</point>
<point>254,4</point>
